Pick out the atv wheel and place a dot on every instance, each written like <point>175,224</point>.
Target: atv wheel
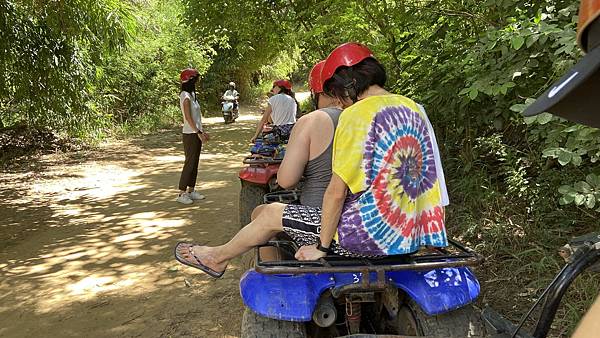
<point>248,260</point>
<point>463,322</point>
<point>251,196</point>
<point>255,326</point>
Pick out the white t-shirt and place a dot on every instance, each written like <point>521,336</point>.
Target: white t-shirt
<point>231,92</point>
<point>194,112</point>
<point>283,109</point>
<point>438,160</point>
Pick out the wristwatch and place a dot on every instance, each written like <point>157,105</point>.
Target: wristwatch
<point>321,247</point>
<point>199,132</point>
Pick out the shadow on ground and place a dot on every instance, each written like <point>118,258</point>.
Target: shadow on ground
<point>86,240</point>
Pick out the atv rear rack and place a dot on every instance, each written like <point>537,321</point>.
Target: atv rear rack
<point>261,160</point>
<point>283,196</point>
<point>453,256</point>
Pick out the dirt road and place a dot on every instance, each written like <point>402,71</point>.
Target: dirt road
<point>86,240</point>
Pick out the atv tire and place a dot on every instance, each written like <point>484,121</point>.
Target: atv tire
<point>251,196</point>
<point>255,326</point>
<point>459,323</point>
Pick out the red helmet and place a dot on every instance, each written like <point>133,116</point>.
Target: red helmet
<point>314,79</point>
<point>589,10</point>
<point>283,83</point>
<point>188,74</point>
<point>347,54</point>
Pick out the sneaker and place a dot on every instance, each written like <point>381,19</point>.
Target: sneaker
<point>196,196</point>
<point>184,198</point>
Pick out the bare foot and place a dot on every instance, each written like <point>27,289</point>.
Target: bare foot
<point>200,257</point>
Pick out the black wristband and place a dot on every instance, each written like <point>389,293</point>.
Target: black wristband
<point>321,247</point>
<point>200,132</point>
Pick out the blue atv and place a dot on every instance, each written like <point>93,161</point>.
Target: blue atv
<point>424,294</point>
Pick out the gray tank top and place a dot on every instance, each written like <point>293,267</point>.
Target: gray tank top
<point>317,172</point>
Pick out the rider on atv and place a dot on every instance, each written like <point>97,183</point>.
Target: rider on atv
<point>281,109</point>
<point>307,157</point>
<point>365,164</point>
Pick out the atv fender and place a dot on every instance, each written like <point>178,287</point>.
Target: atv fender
<point>294,297</point>
<point>258,175</point>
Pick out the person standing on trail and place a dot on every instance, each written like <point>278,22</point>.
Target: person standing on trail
<point>281,109</point>
<point>386,195</point>
<point>193,136</point>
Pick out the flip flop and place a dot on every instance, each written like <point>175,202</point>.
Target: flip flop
<point>198,265</point>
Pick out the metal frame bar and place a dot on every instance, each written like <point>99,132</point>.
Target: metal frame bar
<point>284,196</point>
<point>556,291</point>
<point>338,264</point>
<point>261,160</point>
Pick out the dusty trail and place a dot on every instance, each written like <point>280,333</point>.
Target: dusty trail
<point>86,240</point>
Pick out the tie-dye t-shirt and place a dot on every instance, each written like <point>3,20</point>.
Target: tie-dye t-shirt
<point>385,151</point>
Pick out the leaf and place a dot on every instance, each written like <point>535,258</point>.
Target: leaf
<point>518,108</point>
<point>473,93</point>
<point>503,90</point>
<point>531,40</point>
<point>551,152</point>
<point>571,129</point>
<point>464,91</point>
<point>517,42</point>
<point>564,158</point>
<point>579,199</point>
<point>544,118</point>
<point>529,119</point>
<point>565,189</point>
<point>567,199</point>
<point>582,186</point>
<point>593,180</point>
<point>590,201</point>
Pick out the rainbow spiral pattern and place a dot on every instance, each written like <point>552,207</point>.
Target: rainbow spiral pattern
<point>401,209</point>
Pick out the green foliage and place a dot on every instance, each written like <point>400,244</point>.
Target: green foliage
<point>48,55</point>
<point>91,66</point>
<point>586,193</point>
<point>136,86</point>
<point>253,42</point>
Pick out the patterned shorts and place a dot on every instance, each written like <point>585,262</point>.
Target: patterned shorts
<point>283,131</point>
<point>303,224</point>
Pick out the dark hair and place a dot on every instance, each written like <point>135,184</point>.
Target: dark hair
<point>353,81</point>
<point>190,86</point>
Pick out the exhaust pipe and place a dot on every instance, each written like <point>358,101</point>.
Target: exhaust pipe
<point>325,313</point>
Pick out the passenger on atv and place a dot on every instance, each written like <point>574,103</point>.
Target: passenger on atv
<point>387,192</point>
<point>281,109</point>
<point>308,152</point>
<point>308,161</point>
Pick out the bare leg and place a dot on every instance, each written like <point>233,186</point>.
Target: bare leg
<point>266,225</point>
<point>257,211</point>
<point>266,253</point>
